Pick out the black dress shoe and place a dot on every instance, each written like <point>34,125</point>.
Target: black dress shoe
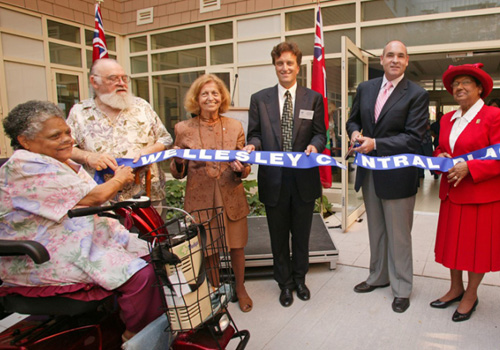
<point>458,317</point>
<point>286,297</point>
<point>303,292</point>
<point>364,287</point>
<point>400,304</point>
<point>444,304</point>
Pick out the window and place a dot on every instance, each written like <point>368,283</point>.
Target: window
<point>66,55</point>
<point>179,59</point>
<point>300,20</point>
<point>138,44</point>
<point>64,32</point>
<point>178,38</point>
<point>221,31</point>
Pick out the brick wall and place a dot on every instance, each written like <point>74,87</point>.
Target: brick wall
<point>119,16</point>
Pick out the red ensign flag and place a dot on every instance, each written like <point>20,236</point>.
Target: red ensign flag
<point>99,42</point>
<point>319,84</point>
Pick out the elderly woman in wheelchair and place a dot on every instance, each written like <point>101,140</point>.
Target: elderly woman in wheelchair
<point>38,185</point>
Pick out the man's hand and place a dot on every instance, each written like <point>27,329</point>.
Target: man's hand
<point>101,161</point>
<point>249,148</point>
<point>311,149</point>
<point>354,136</point>
<point>366,144</point>
<point>156,147</point>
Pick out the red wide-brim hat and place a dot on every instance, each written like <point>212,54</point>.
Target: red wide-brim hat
<point>472,70</point>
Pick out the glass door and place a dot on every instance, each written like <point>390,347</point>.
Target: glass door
<point>354,71</point>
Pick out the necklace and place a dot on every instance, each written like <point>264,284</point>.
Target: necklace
<point>213,169</point>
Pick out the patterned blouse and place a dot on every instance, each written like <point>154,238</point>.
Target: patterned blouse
<point>135,128</point>
<point>36,191</point>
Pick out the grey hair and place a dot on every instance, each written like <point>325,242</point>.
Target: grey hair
<point>26,119</point>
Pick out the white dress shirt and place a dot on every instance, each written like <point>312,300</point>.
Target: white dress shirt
<point>281,96</point>
<point>461,121</point>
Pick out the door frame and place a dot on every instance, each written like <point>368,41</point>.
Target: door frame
<point>349,48</point>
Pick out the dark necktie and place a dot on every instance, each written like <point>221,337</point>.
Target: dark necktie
<point>287,123</point>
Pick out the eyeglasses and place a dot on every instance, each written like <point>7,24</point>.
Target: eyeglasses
<point>456,84</point>
<point>116,78</point>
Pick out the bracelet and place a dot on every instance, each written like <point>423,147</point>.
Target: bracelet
<point>121,183</point>
<point>86,160</point>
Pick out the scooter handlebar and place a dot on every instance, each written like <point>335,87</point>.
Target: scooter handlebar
<point>141,202</point>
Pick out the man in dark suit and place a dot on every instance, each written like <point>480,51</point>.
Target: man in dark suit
<point>394,127</point>
<point>288,194</point>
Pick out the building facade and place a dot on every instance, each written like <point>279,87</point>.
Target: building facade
<point>46,45</point>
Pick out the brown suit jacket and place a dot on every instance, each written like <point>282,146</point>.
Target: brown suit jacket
<point>203,178</point>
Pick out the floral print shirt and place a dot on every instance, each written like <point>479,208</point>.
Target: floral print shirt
<point>135,128</point>
<point>36,191</point>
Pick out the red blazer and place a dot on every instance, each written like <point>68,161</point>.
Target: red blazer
<point>483,184</point>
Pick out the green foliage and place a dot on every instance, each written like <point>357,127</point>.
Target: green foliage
<point>326,210</point>
<point>175,191</point>
<point>258,209</point>
<point>256,206</point>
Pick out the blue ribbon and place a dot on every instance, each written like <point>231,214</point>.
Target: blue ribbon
<point>431,163</point>
<point>283,159</point>
<point>300,160</point>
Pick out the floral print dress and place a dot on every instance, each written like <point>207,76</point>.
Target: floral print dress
<point>36,191</point>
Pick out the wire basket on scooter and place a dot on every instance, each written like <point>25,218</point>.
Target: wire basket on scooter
<point>191,262</point>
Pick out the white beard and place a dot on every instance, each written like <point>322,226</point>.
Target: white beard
<point>117,101</point>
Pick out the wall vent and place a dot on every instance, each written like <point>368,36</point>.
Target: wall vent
<point>209,5</point>
<point>145,16</point>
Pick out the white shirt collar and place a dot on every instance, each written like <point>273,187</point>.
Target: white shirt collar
<point>394,82</point>
<point>471,113</point>
<point>282,90</point>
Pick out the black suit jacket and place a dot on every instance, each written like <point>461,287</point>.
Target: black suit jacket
<point>264,132</point>
<point>399,129</point>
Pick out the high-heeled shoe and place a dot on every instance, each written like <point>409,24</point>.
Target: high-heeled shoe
<point>444,304</point>
<point>458,317</point>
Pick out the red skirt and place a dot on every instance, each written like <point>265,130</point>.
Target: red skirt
<point>468,236</point>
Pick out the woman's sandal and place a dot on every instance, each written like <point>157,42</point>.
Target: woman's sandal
<point>246,303</point>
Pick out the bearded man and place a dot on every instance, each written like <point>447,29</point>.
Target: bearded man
<point>116,124</point>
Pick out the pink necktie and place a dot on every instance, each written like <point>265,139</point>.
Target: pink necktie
<point>382,98</point>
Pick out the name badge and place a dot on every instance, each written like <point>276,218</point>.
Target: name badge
<point>305,114</point>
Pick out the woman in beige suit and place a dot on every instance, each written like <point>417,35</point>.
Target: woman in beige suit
<point>212,184</point>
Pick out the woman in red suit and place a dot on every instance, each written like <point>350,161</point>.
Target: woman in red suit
<point>468,233</point>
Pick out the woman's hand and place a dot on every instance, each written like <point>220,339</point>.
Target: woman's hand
<point>457,173</point>
<point>104,192</point>
<point>444,155</point>
<point>236,166</point>
<point>101,161</point>
<point>178,160</point>
<point>124,175</point>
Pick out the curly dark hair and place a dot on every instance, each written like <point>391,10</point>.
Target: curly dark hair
<point>286,47</point>
<point>27,119</point>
